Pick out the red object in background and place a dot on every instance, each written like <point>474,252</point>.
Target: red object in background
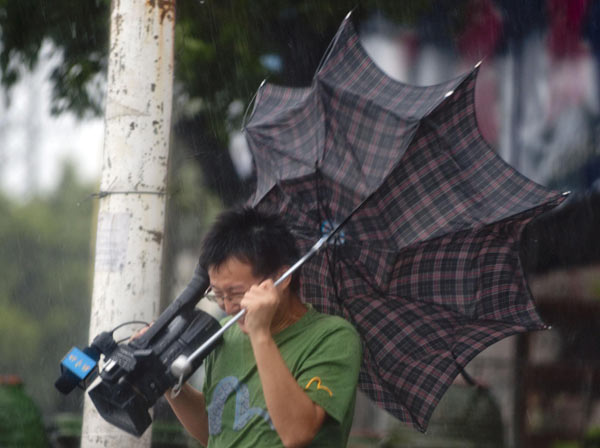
<point>482,30</point>
<point>477,41</point>
<point>565,20</point>
<point>487,103</point>
<point>11,380</point>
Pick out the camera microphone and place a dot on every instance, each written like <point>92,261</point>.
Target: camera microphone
<point>78,369</point>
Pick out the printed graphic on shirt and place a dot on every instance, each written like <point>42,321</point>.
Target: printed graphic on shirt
<point>320,386</point>
<point>243,411</point>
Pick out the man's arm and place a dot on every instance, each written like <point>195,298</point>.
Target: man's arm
<point>190,408</point>
<point>296,418</point>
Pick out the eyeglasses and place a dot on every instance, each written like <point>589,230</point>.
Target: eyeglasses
<point>233,297</point>
<point>220,298</point>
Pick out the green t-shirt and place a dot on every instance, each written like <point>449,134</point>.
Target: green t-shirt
<point>322,352</point>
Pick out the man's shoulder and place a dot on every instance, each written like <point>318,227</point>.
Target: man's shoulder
<point>332,324</point>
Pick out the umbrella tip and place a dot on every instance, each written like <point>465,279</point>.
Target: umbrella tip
<point>448,93</point>
<point>478,64</point>
<point>566,193</point>
<point>348,15</point>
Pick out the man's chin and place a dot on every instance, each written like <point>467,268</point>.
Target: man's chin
<point>241,324</point>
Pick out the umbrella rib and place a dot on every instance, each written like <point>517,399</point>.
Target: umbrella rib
<point>254,102</point>
<point>365,278</point>
<point>319,195</point>
<point>412,125</point>
<point>550,203</point>
<point>330,263</point>
<point>332,45</point>
<point>289,156</point>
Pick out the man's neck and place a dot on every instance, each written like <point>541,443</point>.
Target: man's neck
<point>289,312</point>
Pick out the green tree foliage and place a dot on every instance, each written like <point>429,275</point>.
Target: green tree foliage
<point>77,29</point>
<point>45,288</point>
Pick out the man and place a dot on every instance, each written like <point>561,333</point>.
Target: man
<point>285,375</point>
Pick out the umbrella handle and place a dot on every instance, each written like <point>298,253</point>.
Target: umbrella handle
<point>182,366</point>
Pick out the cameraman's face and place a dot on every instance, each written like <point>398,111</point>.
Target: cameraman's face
<point>230,281</point>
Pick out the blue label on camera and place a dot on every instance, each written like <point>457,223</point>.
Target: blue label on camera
<point>78,363</point>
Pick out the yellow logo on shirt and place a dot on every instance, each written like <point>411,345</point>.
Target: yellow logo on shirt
<point>319,385</point>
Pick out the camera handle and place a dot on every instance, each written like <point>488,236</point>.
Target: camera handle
<point>182,366</point>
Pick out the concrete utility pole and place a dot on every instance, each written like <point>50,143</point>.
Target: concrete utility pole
<point>129,241</point>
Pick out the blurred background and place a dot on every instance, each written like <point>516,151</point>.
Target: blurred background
<point>537,102</point>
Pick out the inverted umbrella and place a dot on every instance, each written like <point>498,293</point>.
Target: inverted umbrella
<point>426,265</point>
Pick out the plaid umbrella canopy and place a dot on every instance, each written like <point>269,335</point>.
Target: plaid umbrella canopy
<point>427,267</point>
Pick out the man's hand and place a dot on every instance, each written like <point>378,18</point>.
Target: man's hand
<point>140,332</point>
<point>261,303</point>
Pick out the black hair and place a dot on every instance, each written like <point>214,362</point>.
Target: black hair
<point>257,238</point>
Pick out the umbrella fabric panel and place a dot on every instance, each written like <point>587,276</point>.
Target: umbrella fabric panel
<point>415,352</point>
<point>348,68</point>
<point>274,102</point>
<point>311,204</point>
<point>365,111</point>
<point>449,179</point>
<point>477,274</point>
<point>455,124</point>
<point>288,122</point>
<point>428,325</point>
<point>297,201</point>
<point>355,132</point>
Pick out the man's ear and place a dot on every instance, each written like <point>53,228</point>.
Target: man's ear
<point>286,283</point>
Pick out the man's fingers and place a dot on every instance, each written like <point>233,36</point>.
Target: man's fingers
<point>141,331</point>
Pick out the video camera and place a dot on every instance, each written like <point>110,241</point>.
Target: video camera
<point>135,374</point>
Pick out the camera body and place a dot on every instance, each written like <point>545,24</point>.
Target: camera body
<point>136,374</point>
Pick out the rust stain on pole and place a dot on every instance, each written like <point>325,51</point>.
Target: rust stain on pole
<point>156,236</point>
<point>166,7</point>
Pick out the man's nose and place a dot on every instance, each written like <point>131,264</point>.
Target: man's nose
<point>231,307</point>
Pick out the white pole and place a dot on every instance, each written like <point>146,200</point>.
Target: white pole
<point>129,241</point>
